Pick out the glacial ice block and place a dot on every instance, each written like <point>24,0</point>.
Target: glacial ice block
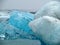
<point>49,9</point>
<point>47,29</point>
<point>16,26</point>
<point>21,20</point>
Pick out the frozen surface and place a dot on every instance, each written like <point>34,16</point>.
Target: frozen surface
<point>7,30</point>
<point>21,20</point>
<point>20,42</point>
<point>16,26</point>
<point>47,29</point>
<point>51,8</point>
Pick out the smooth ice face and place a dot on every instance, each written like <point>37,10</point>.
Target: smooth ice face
<point>4,16</point>
<point>50,9</point>
<point>47,29</point>
<point>20,42</point>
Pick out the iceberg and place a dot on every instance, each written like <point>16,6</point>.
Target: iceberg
<point>49,9</point>
<point>47,28</point>
<point>21,20</point>
<point>17,26</point>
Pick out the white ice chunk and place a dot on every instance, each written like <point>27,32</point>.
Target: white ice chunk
<point>2,37</point>
<point>50,9</point>
<point>47,29</point>
<point>4,16</point>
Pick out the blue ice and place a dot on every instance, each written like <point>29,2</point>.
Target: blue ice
<point>17,26</point>
<point>21,20</point>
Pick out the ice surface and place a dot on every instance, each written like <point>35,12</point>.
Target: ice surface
<point>49,9</point>
<point>16,26</point>
<point>21,20</point>
<point>12,33</point>
<point>47,29</point>
<point>20,42</point>
<point>6,29</point>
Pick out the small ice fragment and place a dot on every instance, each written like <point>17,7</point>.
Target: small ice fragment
<point>2,36</point>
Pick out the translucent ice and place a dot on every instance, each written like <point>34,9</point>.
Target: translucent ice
<point>12,33</point>
<point>50,9</point>
<point>47,29</point>
<point>21,20</point>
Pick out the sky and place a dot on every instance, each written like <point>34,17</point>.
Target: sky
<point>26,5</point>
